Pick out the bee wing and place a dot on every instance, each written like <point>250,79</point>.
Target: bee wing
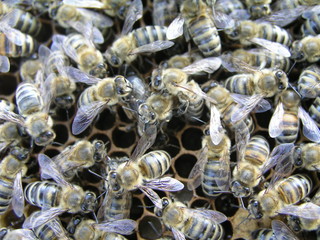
<point>177,234</point>
<point>24,234</point>
<point>78,76</point>
<point>310,128</point>
<point>11,116</point>
<point>85,116</point>
<point>134,13</point>
<point>85,4</point>
<point>4,64</point>
<point>44,52</point>
<point>175,29</point>
<point>215,128</point>
<point>233,64</point>
<point>43,217</point>
<point>145,142</point>
<point>122,226</point>
<point>50,170</point>
<point>262,105</point>
<point>276,121</point>
<point>224,170</point>
<point>211,214</point>
<point>240,14</point>
<point>223,21</point>
<point>153,47</point>
<point>247,105</point>
<point>274,47</point>
<point>87,29</point>
<point>99,20</point>
<point>47,90</point>
<point>13,35</point>
<point>57,42</point>
<point>306,210</point>
<point>208,65</point>
<point>152,195</point>
<point>195,176</point>
<point>58,229</point>
<point>242,137</point>
<point>164,184</point>
<point>17,196</point>
<point>306,92</point>
<point>281,231</point>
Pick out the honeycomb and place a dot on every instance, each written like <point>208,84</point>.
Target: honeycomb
<point>114,128</point>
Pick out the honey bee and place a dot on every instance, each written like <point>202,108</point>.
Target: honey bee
<point>45,194</point>
<point>83,52</point>
<point>284,124</point>
<point>18,234</point>
<point>82,229</point>
<point>212,170</point>
<point>229,6</point>
<point>192,223</point>
<point>305,155</point>
<point>311,22</point>
<point>164,11</point>
<point>309,82</point>
<point>314,111</point>
<point>258,8</point>
<point>29,69</point>
<point>107,91</point>
<point>279,231</point>
<point>201,27</point>
<point>284,192</point>
<point>9,135</point>
<point>306,49</point>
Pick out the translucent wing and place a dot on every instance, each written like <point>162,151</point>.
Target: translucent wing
<point>223,21</point>
<point>42,217</point>
<point>44,53</point>
<point>247,106</point>
<point>17,196</point>
<point>4,64</point>
<point>134,13</point>
<point>306,210</point>
<point>85,116</point>
<point>11,117</point>
<point>216,129</point>
<point>274,47</point>
<point>276,121</point>
<point>177,234</point>
<point>310,128</point>
<point>122,226</point>
<point>78,76</point>
<point>262,105</point>
<point>175,28</point>
<point>13,35</point>
<point>58,229</point>
<point>152,195</point>
<point>23,234</point>
<point>281,231</point>
<point>211,214</point>
<point>85,4</point>
<point>240,14</point>
<point>224,172</point>
<point>50,170</point>
<point>153,47</point>
<point>242,137</point>
<point>99,20</point>
<point>208,65</point>
<point>145,142</point>
<point>57,42</point>
<point>87,29</point>
<point>233,64</point>
<point>195,176</point>
<point>164,184</point>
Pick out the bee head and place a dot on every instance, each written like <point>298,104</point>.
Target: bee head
<point>146,114</point>
<point>123,86</point>
<point>89,202</point>
<point>45,138</point>
<point>259,11</point>
<point>113,58</point>
<point>255,209</point>
<point>99,151</point>
<point>239,190</point>
<point>75,221</point>
<point>297,156</point>
<point>156,79</point>
<point>99,71</point>
<point>294,223</point>
<point>297,51</point>
<point>159,211</point>
<point>65,101</point>
<point>21,154</point>
<point>114,182</point>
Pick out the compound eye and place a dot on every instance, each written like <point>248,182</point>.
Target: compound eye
<point>165,202</point>
<point>115,61</point>
<point>281,86</point>
<point>279,74</point>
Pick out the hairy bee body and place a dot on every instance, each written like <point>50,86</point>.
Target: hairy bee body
<point>247,174</point>
<point>258,8</point>
<point>306,49</point>
<point>29,69</point>
<point>11,49</point>
<point>201,28</point>
<point>309,82</point>
<point>82,229</point>
<point>50,194</point>
<point>307,156</point>
<point>9,134</point>
<point>314,111</point>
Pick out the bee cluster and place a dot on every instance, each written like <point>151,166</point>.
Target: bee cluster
<point>163,119</point>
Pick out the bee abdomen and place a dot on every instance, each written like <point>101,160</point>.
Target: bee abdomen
<point>45,232</point>
<point>28,99</point>
<point>257,150</point>
<point>275,34</point>
<point>239,83</point>
<point>314,111</point>
<point>263,233</point>
<point>27,23</point>
<point>6,188</point>
<point>149,34</point>
<point>119,207</point>
<point>290,128</point>
<point>154,164</point>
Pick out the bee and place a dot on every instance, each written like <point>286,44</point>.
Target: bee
<point>9,135</point>
<point>200,25</point>
<point>314,111</point>
<point>29,69</point>
<point>233,8</point>
<point>284,124</point>
<point>12,169</point>
<point>247,174</point>
<point>306,49</point>
<point>212,170</point>
<point>285,192</point>
<point>258,8</point>
<point>311,23</point>
<point>83,154</point>
<point>45,194</point>
<point>191,223</point>
<point>18,234</point>
<point>164,11</point>
<point>309,82</point>
<point>279,231</point>
<point>82,229</point>
<point>83,52</point>
<point>305,155</point>
<point>102,92</point>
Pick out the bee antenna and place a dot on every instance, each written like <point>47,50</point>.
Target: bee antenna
<point>243,220</point>
<point>198,119</point>
<point>97,175</point>
<point>294,63</point>
<point>95,216</point>
<point>130,109</point>
<point>294,89</point>
<point>141,206</point>
<point>100,195</point>
<point>242,204</point>
<point>57,144</point>
<point>154,229</point>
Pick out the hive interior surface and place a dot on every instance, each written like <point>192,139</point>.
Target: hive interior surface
<point>118,132</point>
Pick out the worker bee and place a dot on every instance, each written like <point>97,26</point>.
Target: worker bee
<point>18,234</point>
<point>29,69</point>
<point>279,231</point>
<point>306,49</point>
<point>212,170</point>
<point>107,91</point>
<point>201,27</point>
<point>311,22</point>
<point>305,155</point>
<point>284,124</point>
<point>191,223</point>
<point>164,11</point>
<point>83,154</point>
<point>258,8</point>
<point>285,192</point>
<point>309,82</point>
<point>82,229</point>
<point>83,52</point>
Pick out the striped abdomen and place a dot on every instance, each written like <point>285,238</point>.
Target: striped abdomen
<point>291,125</point>
<point>271,60</point>
<point>275,34</point>
<point>42,194</point>
<point>257,150</point>
<point>309,82</point>
<point>10,49</point>
<point>314,111</point>
<point>6,189</point>
<point>205,35</point>
<point>263,233</point>
<point>28,99</point>
<point>149,34</point>
<point>154,164</point>
<point>117,206</point>
<point>311,26</point>
<point>240,83</point>
<point>294,188</point>
<point>87,96</point>
<point>47,231</point>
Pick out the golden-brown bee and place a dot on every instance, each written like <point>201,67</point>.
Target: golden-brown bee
<point>186,222</point>
<point>29,69</point>
<point>258,8</point>
<point>279,231</point>
<point>306,155</point>
<point>284,192</point>
<point>212,170</point>
<point>45,194</point>
<point>284,124</point>
<point>164,11</point>
<point>314,111</point>
<point>83,52</point>
<point>306,49</point>
<point>82,154</point>
<point>18,234</point>
<point>107,91</point>
<point>309,82</point>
